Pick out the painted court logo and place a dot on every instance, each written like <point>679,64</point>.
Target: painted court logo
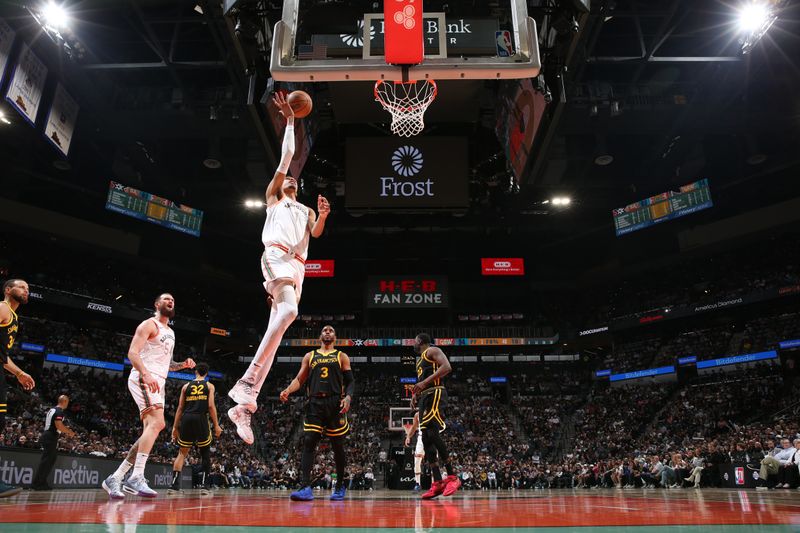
<point>407,161</point>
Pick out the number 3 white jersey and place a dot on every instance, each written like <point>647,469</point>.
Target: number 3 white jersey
<point>157,352</point>
<point>287,226</point>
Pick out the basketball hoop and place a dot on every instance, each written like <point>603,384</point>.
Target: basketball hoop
<point>407,102</point>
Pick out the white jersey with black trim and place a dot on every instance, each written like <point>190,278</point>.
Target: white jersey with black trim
<point>157,352</point>
<point>287,226</point>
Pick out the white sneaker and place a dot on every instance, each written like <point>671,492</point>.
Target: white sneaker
<point>242,393</point>
<point>112,486</point>
<point>240,416</point>
<point>137,485</point>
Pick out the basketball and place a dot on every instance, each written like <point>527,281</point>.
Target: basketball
<point>301,103</point>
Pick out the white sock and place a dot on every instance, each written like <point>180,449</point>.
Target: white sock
<point>138,468</point>
<point>281,318</point>
<point>122,470</point>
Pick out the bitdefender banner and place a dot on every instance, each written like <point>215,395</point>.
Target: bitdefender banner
<point>502,266</point>
<point>407,174</point>
<point>406,291</point>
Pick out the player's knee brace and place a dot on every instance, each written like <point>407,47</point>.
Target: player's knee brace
<point>286,308</point>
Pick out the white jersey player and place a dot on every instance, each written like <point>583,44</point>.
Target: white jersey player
<point>150,354</point>
<point>419,450</point>
<point>287,229</point>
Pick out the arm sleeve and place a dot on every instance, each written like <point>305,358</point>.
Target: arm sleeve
<point>287,149</point>
<point>349,383</point>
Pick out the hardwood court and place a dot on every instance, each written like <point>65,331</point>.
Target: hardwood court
<point>611,510</point>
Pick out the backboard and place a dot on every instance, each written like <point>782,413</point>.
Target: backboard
<point>329,43</point>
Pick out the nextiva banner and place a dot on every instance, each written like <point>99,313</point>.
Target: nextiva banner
<point>320,268</point>
<point>603,373</point>
<point>406,292</point>
<point>396,173</point>
<point>505,266</point>
<point>643,373</point>
<point>688,360</point>
<point>498,379</point>
<point>786,345</point>
<point>408,380</point>
<point>736,359</point>
<point>30,347</point>
<point>18,466</point>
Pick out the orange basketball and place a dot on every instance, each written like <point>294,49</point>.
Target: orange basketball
<point>301,103</point>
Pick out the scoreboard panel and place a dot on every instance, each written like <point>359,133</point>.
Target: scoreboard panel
<point>661,207</point>
<point>152,208</point>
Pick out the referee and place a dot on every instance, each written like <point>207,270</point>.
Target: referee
<point>191,426</point>
<point>53,425</point>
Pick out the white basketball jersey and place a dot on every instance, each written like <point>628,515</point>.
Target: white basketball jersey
<point>287,225</point>
<point>157,352</point>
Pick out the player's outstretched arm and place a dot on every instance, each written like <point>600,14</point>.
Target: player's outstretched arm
<point>298,381</point>
<point>175,365</point>
<point>275,187</point>
<point>317,223</point>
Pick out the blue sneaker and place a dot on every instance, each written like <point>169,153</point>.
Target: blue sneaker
<point>416,488</point>
<point>338,494</point>
<point>303,495</point>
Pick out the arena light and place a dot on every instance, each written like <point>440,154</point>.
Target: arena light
<point>561,200</point>
<point>754,18</point>
<point>54,16</point>
<point>3,118</point>
<point>253,204</point>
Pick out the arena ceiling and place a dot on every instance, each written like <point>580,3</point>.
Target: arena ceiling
<point>662,87</point>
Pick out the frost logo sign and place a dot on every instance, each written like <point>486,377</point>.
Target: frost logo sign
<point>407,162</point>
<point>389,173</point>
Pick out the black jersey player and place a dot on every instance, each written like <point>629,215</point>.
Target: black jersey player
<point>15,293</point>
<point>330,390</point>
<point>191,426</point>
<point>430,397</point>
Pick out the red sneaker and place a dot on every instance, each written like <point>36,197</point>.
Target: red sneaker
<point>452,484</point>
<point>437,487</point>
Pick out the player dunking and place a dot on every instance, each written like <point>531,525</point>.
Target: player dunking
<point>330,390</point>
<point>150,354</point>
<point>285,236</point>
<point>191,426</point>
<point>430,397</point>
<point>15,293</point>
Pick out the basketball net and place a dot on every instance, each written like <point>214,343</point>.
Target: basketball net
<point>407,102</point>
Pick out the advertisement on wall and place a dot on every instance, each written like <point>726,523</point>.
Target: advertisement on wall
<point>502,266</point>
<point>320,268</point>
<point>18,466</point>
<point>407,292</point>
<point>406,174</point>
